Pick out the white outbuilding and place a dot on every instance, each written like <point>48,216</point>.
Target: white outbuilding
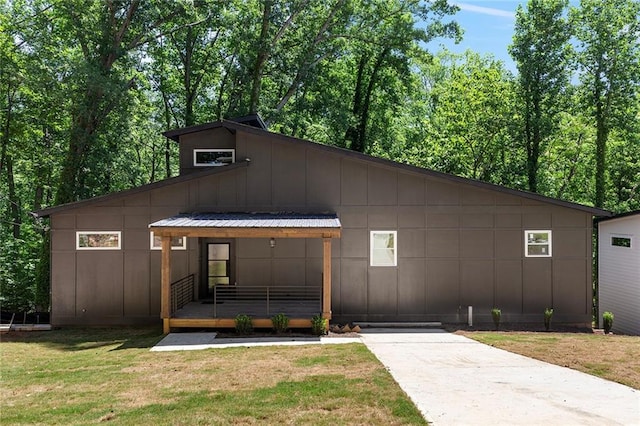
<point>619,270</point>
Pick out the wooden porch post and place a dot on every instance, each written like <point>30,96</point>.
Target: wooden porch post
<point>165,295</point>
<point>326,278</point>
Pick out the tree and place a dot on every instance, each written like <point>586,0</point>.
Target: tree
<point>108,34</point>
<point>389,44</point>
<point>609,65</point>
<point>541,51</point>
<point>470,131</point>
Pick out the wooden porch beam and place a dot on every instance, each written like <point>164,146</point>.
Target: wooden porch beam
<point>326,278</point>
<point>165,294</point>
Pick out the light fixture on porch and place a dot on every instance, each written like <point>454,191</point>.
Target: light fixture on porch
<point>272,243</point>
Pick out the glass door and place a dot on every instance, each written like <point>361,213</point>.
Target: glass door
<point>218,266</point>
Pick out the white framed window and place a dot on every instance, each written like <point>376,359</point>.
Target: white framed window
<point>213,157</point>
<point>177,243</point>
<point>621,241</point>
<point>384,248</point>
<point>98,240</point>
<point>537,243</point>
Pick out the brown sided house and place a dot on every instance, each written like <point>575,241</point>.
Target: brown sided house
<point>259,223</point>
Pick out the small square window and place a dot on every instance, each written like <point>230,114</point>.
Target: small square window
<point>177,243</point>
<point>537,243</point>
<point>621,241</point>
<point>213,157</point>
<point>98,240</point>
<point>384,248</point>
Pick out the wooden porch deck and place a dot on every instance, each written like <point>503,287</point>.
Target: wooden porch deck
<point>205,314</point>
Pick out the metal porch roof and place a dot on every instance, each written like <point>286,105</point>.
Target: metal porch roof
<point>249,220</point>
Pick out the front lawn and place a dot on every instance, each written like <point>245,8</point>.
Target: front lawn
<point>83,376</point>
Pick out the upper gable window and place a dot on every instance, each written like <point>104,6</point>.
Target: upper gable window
<point>213,157</point>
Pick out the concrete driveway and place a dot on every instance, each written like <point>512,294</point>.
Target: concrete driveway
<point>454,380</point>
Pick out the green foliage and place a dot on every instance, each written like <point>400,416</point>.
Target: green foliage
<point>496,315</point>
<point>319,325</point>
<point>541,50</point>
<point>607,321</point>
<point>280,323</point>
<point>244,324</point>
<point>548,314</point>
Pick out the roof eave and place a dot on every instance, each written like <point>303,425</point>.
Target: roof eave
<point>139,189</point>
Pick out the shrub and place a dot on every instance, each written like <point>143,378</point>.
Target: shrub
<point>607,321</point>
<point>319,325</point>
<point>548,313</point>
<point>496,314</point>
<point>244,324</point>
<point>280,323</point>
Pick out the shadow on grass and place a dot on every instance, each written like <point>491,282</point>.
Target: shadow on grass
<point>79,339</point>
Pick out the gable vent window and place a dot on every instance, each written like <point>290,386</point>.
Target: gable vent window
<point>621,241</point>
<point>213,157</point>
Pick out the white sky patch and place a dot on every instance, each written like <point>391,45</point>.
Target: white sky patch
<point>485,10</point>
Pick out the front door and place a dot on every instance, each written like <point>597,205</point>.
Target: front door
<point>218,270</point>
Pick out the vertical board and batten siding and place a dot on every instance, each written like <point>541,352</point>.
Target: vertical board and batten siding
<point>112,286</point>
<point>458,244</point>
<point>619,274</point>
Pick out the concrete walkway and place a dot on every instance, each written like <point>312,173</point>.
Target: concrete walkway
<point>454,380</point>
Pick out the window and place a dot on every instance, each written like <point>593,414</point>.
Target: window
<point>213,157</point>
<point>98,240</point>
<point>537,243</point>
<point>620,241</point>
<point>384,248</point>
<point>177,243</point>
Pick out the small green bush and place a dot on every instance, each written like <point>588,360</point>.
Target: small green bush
<point>280,323</point>
<point>548,313</point>
<point>319,325</point>
<point>244,324</point>
<point>496,314</point>
<point>607,321</point>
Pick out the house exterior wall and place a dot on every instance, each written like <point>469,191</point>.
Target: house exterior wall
<point>458,244</point>
<point>619,274</point>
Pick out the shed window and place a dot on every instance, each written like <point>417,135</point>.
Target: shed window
<point>537,243</point>
<point>98,240</point>
<point>384,248</point>
<point>177,243</point>
<point>213,157</point>
<point>620,241</point>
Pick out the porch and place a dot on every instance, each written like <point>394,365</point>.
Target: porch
<point>299,303</point>
<point>180,307</point>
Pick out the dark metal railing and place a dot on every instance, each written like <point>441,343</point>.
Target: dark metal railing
<point>262,301</point>
<point>182,292</point>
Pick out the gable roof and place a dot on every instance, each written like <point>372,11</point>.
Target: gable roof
<point>234,126</point>
<point>139,189</point>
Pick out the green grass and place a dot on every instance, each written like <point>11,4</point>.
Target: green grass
<point>88,376</point>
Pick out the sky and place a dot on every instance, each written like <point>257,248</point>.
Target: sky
<point>488,28</point>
